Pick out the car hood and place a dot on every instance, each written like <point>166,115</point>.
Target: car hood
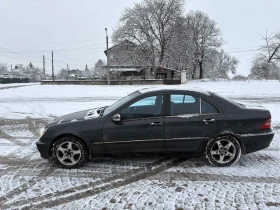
<point>77,116</point>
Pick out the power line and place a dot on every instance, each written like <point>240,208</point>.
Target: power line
<point>243,48</point>
<point>17,54</point>
<point>88,47</point>
<point>65,63</point>
<point>56,42</point>
<point>242,51</point>
<point>81,47</point>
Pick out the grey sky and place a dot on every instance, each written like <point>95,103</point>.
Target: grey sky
<point>31,27</point>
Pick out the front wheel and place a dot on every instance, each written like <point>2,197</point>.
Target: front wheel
<point>223,151</point>
<point>69,152</point>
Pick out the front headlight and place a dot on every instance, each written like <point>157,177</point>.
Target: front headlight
<point>43,131</point>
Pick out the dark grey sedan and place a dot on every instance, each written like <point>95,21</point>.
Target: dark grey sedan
<point>159,121</point>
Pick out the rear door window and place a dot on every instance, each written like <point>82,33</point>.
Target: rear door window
<point>184,104</point>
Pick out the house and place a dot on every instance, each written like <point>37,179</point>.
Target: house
<point>75,73</point>
<point>71,74</point>
<point>127,60</point>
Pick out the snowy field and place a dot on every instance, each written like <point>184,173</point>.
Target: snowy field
<point>29,182</point>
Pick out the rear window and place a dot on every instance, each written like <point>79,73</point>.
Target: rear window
<point>229,100</point>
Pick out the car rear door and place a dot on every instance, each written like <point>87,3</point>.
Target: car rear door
<point>191,120</point>
<point>141,128</point>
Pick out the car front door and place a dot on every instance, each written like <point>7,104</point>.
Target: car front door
<point>191,120</point>
<point>141,128</point>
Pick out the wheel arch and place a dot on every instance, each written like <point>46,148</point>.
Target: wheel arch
<point>224,133</point>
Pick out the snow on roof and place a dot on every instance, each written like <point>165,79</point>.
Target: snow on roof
<point>124,69</point>
<point>184,88</point>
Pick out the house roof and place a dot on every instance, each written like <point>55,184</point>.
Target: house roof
<point>124,42</point>
<point>124,69</point>
<point>168,69</point>
<point>75,71</point>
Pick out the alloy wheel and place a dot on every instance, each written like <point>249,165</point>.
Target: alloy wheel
<point>223,151</point>
<point>68,153</point>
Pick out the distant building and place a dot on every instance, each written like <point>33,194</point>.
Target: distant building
<point>126,60</point>
<point>76,73</point>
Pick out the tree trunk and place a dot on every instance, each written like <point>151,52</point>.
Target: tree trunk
<point>200,70</point>
<point>161,56</point>
<point>194,71</point>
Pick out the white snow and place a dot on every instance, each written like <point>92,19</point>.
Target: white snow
<point>28,180</point>
<point>39,101</point>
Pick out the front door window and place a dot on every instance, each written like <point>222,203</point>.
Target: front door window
<point>147,107</point>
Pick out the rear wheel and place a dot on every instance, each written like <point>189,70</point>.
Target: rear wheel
<point>69,152</point>
<point>223,151</point>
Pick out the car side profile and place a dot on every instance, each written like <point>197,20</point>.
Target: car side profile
<point>156,120</point>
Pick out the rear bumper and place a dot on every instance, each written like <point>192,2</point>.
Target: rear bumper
<point>255,142</point>
<point>43,148</point>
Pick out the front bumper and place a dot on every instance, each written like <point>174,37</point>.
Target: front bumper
<point>44,149</point>
<point>256,142</point>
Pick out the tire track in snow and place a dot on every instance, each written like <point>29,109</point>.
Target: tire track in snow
<point>38,121</point>
<point>5,112</point>
<point>33,125</point>
<point>97,187</point>
<point>88,170</point>
<point>214,177</point>
<point>14,140</point>
<point>25,186</point>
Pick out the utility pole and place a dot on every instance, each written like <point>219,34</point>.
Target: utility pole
<point>67,72</point>
<point>108,57</point>
<point>11,67</point>
<point>52,68</point>
<point>44,70</point>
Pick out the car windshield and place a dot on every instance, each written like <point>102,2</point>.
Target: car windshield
<point>120,102</point>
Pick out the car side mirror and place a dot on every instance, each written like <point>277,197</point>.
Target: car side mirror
<point>116,118</point>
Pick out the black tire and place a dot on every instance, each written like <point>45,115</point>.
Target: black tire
<point>74,152</point>
<point>217,153</point>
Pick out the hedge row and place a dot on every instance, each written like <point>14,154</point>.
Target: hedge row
<point>13,80</point>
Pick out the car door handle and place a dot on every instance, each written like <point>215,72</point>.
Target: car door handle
<point>206,121</point>
<point>156,124</point>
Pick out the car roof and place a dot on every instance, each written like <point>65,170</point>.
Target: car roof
<point>172,88</point>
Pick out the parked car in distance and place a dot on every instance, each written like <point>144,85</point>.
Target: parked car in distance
<point>154,120</point>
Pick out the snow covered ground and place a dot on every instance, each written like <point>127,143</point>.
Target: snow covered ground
<point>29,182</point>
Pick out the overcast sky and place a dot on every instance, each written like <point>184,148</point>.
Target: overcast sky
<point>74,29</point>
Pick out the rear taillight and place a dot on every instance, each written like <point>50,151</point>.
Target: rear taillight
<point>266,124</point>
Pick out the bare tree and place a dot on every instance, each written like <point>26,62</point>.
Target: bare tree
<point>150,24</point>
<point>267,61</point>
<point>261,69</point>
<point>220,64</point>
<point>178,54</point>
<point>271,49</point>
<point>98,67</point>
<point>205,35</point>
<point>3,68</point>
